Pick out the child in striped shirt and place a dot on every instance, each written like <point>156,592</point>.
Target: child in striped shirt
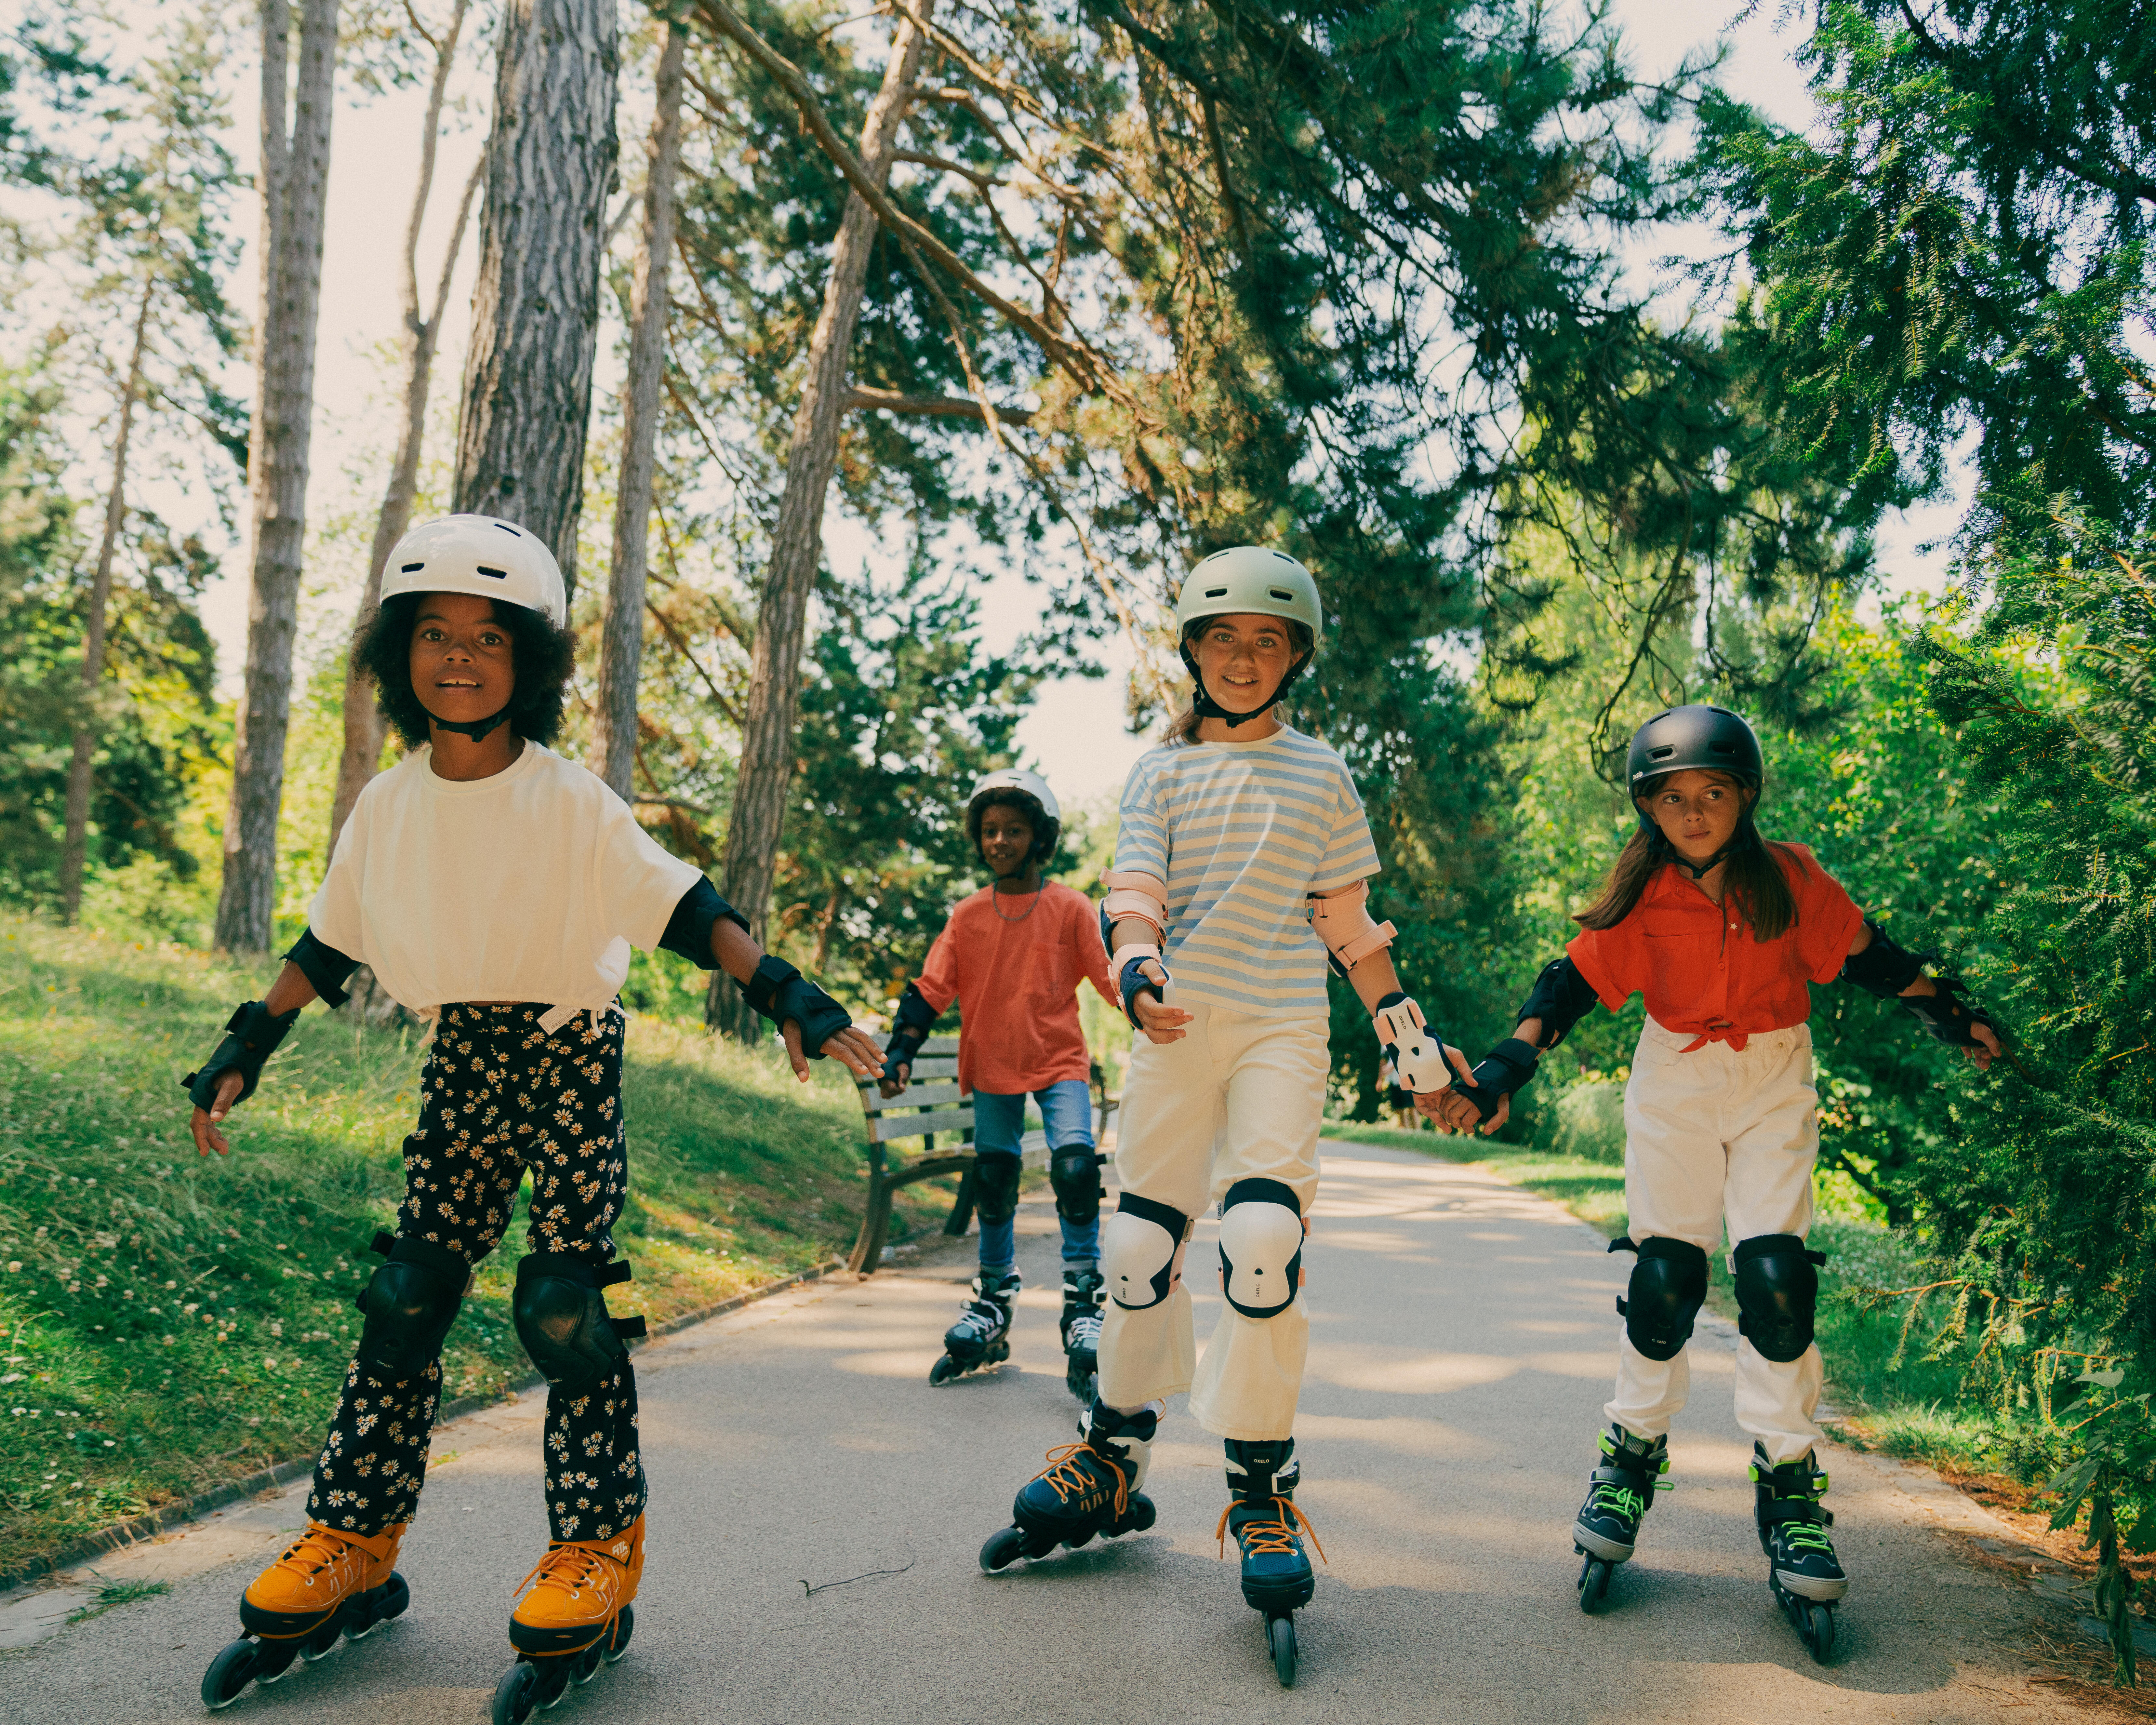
<point>1241,864</point>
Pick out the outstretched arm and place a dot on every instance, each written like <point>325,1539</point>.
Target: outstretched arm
<point>1561,997</point>
<point>250,1038</point>
<point>1879,965</point>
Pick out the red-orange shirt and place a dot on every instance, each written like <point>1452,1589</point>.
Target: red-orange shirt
<point>1016,961</point>
<point>1699,965</point>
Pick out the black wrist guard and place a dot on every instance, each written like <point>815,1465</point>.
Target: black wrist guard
<point>779,992</point>
<point>903,1049</point>
<point>1504,1071</point>
<point>1951,1021</point>
<point>1884,967</point>
<point>1561,998</point>
<point>251,1036</point>
<point>1131,981</point>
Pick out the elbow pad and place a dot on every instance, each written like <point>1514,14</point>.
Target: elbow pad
<point>1503,1072</point>
<point>779,992</point>
<point>326,969</point>
<point>1416,1052</point>
<point>1947,1016</point>
<point>689,929</point>
<point>1885,967</point>
<point>251,1036</point>
<point>1134,893</point>
<point>1561,998</point>
<point>1341,921</point>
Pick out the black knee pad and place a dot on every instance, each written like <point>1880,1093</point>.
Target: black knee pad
<point>409,1304</point>
<point>1668,1287</point>
<point>1777,1294</point>
<point>1075,1172</point>
<point>561,1317</point>
<point>995,1185</point>
<point>1261,1239</point>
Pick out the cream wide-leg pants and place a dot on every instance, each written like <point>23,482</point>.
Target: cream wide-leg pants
<point>1722,1136</point>
<point>1239,1098</point>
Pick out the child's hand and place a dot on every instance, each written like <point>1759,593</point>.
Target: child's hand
<point>850,1048</point>
<point>204,1127</point>
<point>899,1076</point>
<point>1986,1048</point>
<point>1161,1022</point>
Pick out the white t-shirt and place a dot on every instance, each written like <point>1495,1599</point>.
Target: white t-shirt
<point>529,885</point>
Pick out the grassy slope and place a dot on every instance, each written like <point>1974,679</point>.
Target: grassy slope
<point>169,1324</point>
<point>1908,1408</point>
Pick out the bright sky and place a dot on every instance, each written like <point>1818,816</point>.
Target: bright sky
<point>1074,735</point>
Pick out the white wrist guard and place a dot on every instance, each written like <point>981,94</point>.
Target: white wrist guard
<point>1132,893</point>
<point>1418,1056</point>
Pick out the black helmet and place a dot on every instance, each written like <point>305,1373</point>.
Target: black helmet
<point>1704,739</point>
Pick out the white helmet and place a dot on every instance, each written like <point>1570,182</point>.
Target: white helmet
<point>476,554</point>
<point>1250,578</point>
<point>1017,778</point>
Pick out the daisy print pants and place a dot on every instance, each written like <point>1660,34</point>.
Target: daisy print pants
<point>499,1097</point>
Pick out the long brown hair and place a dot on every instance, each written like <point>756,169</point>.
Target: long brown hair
<point>1182,728</point>
<point>1754,883</point>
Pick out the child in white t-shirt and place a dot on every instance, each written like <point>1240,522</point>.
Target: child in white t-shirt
<point>492,883</point>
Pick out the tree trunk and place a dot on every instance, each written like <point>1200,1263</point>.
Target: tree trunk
<point>294,176</point>
<point>76,847</point>
<point>767,756</point>
<point>364,731</point>
<point>621,639</point>
<point>542,233</point>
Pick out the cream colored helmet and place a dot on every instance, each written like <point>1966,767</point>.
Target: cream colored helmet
<point>1250,578</point>
<point>476,554</point>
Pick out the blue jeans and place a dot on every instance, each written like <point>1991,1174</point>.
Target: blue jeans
<point>1066,1112</point>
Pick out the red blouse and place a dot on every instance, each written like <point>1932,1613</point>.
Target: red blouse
<point>1699,965</point>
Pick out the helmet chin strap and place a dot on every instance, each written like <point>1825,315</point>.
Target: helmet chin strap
<point>1207,708</point>
<point>1743,838</point>
<point>475,729</point>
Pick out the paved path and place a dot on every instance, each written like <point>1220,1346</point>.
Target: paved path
<point>818,1506</point>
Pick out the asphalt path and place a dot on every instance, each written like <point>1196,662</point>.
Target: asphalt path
<point>817,1507</point>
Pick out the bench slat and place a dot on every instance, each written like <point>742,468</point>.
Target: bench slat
<point>918,1070</point>
<point>914,1095</point>
<point>912,1126</point>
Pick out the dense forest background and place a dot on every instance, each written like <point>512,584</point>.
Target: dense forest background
<point>1582,394</point>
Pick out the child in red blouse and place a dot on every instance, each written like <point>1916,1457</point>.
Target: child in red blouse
<point>1722,930</point>
<point>1014,953</point>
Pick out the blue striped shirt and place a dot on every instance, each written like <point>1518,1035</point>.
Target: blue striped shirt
<point>1244,832</point>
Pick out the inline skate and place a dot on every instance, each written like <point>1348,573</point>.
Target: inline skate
<point>1089,1487</point>
<point>982,1336</point>
<point>325,1585</point>
<point>1619,1493</point>
<point>578,1616</point>
<point>1807,1581</point>
<point>1277,1579</point>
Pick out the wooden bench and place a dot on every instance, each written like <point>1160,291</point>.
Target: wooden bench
<point>930,1107</point>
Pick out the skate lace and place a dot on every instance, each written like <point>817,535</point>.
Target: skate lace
<point>316,1549</point>
<point>1273,1538</point>
<point>1086,1328</point>
<point>1623,1499</point>
<point>1069,1480</point>
<point>1804,1537</point>
<point>566,1567</point>
<point>981,1317</point>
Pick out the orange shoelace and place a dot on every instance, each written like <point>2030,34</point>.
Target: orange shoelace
<point>1274,1537</point>
<point>1069,1479</point>
<point>316,1550</point>
<point>566,1566</point>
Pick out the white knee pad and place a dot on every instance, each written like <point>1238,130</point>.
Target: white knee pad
<point>1141,1251</point>
<point>1261,1247</point>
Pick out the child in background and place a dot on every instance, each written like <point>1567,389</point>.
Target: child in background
<point>1014,954</point>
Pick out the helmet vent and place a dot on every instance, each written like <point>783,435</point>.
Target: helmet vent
<point>1279,593</point>
<point>1216,592</point>
<point>1663,753</point>
<point>411,568</point>
<point>509,529</point>
<point>498,574</point>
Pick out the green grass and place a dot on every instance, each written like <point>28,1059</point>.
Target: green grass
<point>169,1324</point>
<point>111,1593</point>
<point>1907,1404</point>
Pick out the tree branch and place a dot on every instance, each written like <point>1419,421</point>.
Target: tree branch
<point>938,407</point>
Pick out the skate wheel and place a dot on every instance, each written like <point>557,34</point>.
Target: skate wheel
<point>624,1626</point>
<point>273,1659</point>
<point>585,1666</point>
<point>513,1696</point>
<point>1818,1630</point>
<point>318,1644</point>
<point>1280,1631</point>
<point>553,1681</point>
<point>1593,1582</point>
<point>1005,1547</point>
<point>230,1673</point>
<point>1081,1385</point>
<point>377,1608</point>
<point>944,1370</point>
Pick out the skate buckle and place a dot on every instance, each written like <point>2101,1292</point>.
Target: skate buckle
<point>1276,1537</point>
<point>1068,1479</point>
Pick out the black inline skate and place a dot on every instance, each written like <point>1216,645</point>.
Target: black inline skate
<point>982,1336</point>
<point>1619,1493</point>
<point>1802,1569</point>
<point>326,1585</point>
<point>1085,1292</point>
<point>1089,1487</point>
<point>1277,1579</point>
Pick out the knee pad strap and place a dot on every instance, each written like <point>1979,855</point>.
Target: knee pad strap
<point>561,1314</point>
<point>1777,1294</point>
<point>995,1185</point>
<point>408,1305</point>
<point>1668,1287</point>
<point>1261,1238</point>
<point>1075,1172</point>
<point>1142,1248</point>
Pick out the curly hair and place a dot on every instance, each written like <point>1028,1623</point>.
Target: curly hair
<point>1047,831</point>
<point>542,655</point>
